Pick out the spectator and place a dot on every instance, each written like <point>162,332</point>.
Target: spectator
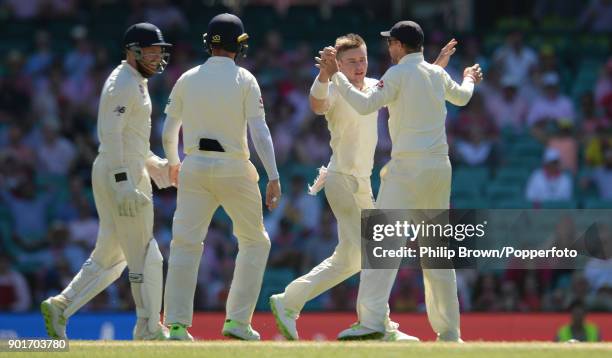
<point>17,148</point>
<point>549,183</point>
<point>84,229</point>
<point>28,208</point>
<point>322,244</point>
<point>56,154</point>
<point>475,114</point>
<point>509,109</point>
<point>476,150</point>
<point>61,248</point>
<point>531,297</point>
<point>510,298</point>
<point>551,106</point>
<point>596,147</point>
<point>592,122</point>
<point>602,177</point>
<point>166,16</point>
<point>486,296</point>
<point>81,59</point>
<point>15,294</point>
<point>286,251</point>
<point>297,208</point>
<point>565,142</point>
<point>42,59</point>
<point>515,59</point>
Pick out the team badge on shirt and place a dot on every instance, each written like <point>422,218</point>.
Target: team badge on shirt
<point>261,102</point>
<point>380,84</point>
<point>119,110</point>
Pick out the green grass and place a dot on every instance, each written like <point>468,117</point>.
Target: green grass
<point>92,349</point>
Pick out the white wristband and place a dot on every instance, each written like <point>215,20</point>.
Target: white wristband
<point>319,90</point>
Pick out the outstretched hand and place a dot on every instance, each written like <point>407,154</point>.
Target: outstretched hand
<point>445,53</point>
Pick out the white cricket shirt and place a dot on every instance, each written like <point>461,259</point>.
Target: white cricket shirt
<point>214,100</point>
<point>415,93</point>
<point>353,136</point>
<point>124,115</point>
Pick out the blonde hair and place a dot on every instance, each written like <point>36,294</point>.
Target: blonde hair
<point>348,42</point>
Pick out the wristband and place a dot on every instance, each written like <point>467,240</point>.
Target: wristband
<point>319,90</point>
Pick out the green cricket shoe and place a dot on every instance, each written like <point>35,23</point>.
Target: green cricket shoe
<point>241,331</point>
<point>449,337</point>
<point>357,332</point>
<point>285,318</point>
<point>178,332</point>
<point>142,332</point>
<point>55,322</point>
<point>398,336</point>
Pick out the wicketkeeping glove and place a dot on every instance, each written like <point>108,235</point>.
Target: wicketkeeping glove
<point>129,199</point>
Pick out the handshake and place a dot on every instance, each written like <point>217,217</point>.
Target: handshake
<point>128,197</point>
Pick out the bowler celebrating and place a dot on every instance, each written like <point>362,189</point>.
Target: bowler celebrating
<point>418,176</point>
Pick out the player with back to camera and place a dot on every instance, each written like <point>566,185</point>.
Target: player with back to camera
<point>418,176</point>
<point>215,102</point>
<point>121,180</point>
<point>347,184</point>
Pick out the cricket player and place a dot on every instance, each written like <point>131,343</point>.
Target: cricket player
<point>418,176</point>
<point>215,102</point>
<point>121,179</point>
<point>347,183</point>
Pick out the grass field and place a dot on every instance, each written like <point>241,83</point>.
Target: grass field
<point>92,349</point>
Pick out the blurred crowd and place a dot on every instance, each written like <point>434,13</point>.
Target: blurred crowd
<point>48,107</point>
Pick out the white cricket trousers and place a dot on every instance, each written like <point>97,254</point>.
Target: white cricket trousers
<point>205,183</point>
<point>347,196</point>
<point>120,238</point>
<point>413,182</point>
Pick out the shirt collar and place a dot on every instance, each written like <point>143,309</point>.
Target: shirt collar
<point>220,59</point>
<point>412,57</point>
<point>133,71</point>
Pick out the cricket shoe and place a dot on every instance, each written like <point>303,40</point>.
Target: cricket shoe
<point>285,318</point>
<point>141,331</point>
<point>241,331</point>
<point>398,336</point>
<point>449,338</point>
<point>357,332</point>
<point>178,332</point>
<point>55,322</point>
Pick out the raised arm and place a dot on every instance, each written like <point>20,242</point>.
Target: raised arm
<point>460,95</point>
<point>364,103</point>
<point>319,98</point>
